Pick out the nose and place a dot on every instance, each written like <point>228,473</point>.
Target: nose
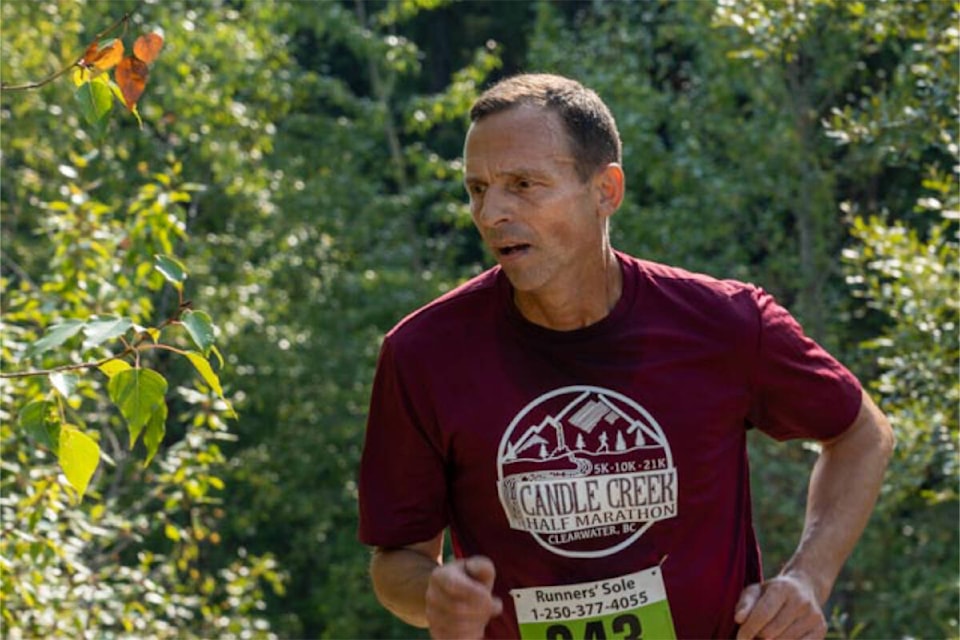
<point>492,208</point>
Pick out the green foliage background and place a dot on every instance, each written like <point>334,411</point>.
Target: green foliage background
<point>302,160</point>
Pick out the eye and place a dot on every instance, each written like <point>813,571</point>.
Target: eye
<point>521,184</point>
<point>476,189</point>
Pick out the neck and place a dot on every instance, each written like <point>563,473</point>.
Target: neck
<point>580,304</point>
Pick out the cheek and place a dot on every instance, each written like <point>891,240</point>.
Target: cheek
<point>575,222</point>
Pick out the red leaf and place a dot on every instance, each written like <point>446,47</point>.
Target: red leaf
<point>105,58</point>
<point>147,47</point>
<point>131,75</point>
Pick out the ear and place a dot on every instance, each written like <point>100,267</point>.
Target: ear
<point>609,183</point>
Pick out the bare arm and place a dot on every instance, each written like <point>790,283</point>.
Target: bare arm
<point>454,600</point>
<point>844,485</point>
<point>400,578</point>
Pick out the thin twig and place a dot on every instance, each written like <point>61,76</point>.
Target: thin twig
<point>64,367</point>
<point>92,365</point>
<point>36,85</point>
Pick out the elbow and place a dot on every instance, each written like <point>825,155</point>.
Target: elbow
<point>884,435</point>
<point>879,427</point>
<point>394,589</point>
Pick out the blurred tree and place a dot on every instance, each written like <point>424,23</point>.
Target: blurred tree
<point>889,110</point>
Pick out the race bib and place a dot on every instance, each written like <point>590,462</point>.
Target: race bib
<point>625,608</point>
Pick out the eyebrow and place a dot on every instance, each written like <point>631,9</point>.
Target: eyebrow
<point>515,172</point>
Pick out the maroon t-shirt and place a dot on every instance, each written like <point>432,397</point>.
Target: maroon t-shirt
<point>574,456</point>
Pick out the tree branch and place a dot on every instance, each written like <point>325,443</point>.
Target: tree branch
<point>91,365</point>
<point>65,367</point>
<point>39,83</point>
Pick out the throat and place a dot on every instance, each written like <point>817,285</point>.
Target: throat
<point>575,307</point>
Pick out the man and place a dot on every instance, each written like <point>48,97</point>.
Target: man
<point>577,418</point>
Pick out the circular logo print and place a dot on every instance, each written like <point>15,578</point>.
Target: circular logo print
<point>586,471</point>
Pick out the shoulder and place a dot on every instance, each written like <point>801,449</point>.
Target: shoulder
<point>695,292</point>
<point>469,303</point>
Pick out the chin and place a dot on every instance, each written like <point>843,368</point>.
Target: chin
<point>524,282</point>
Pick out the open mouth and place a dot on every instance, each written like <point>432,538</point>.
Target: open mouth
<point>512,249</point>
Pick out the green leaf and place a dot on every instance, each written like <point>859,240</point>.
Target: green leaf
<point>96,101</point>
<point>171,269</point>
<point>200,327</point>
<point>115,90</point>
<point>206,371</point>
<point>36,419</point>
<point>136,392</point>
<point>55,336</point>
<point>100,330</point>
<point>64,383</point>
<point>79,455</point>
<point>113,367</point>
<point>156,429</point>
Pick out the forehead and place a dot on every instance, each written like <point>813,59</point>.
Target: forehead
<point>521,136</point>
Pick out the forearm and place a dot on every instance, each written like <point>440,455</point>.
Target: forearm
<point>843,490</point>
<point>400,580</point>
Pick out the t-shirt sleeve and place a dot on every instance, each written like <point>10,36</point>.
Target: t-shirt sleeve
<point>401,486</point>
<point>800,390</point>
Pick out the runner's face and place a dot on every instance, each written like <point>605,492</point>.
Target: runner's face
<point>536,216</point>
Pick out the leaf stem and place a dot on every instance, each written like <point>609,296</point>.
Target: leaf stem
<point>165,347</point>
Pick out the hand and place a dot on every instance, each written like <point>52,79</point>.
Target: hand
<point>785,607</point>
<point>460,598</point>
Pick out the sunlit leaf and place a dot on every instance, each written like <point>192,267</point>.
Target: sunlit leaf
<point>55,336</point>
<point>131,76</point>
<point>136,114</point>
<point>147,47</point>
<point>113,367</point>
<point>171,532</point>
<point>200,327</point>
<point>115,90</point>
<point>37,420</point>
<point>171,269</point>
<point>155,430</point>
<point>95,101</point>
<point>105,57</point>
<point>80,75</point>
<point>219,355</point>
<point>79,455</point>
<point>68,172</point>
<point>91,52</point>
<point>206,371</point>
<point>100,330</point>
<point>64,383</point>
<point>136,392</point>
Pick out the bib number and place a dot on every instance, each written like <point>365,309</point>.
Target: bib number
<point>630,607</point>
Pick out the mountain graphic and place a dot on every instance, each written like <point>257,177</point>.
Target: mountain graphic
<point>590,423</point>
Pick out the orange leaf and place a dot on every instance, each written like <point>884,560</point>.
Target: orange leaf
<point>90,53</point>
<point>105,58</point>
<point>147,47</point>
<point>131,75</point>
